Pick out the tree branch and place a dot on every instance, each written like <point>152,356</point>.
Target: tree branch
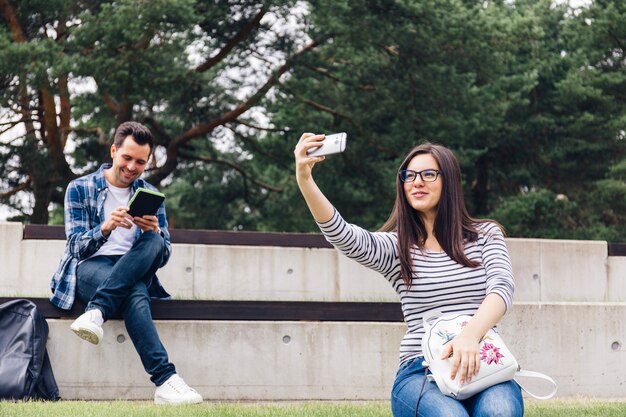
<point>228,117</point>
<point>324,72</point>
<point>18,35</point>
<point>266,129</point>
<point>325,109</point>
<point>371,141</point>
<point>144,42</point>
<point>160,135</point>
<point>6,126</point>
<point>616,39</point>
<point>391,50</point>
<point>234,41</point>
<point>101,136</point>
<point>110,102</point>
<point>257,149</point>
<point>50,130</point>
<point>158,131</point>
<point>244,106</point>
<point>12,23</point>
<point>16,190</point>
<point>237,168</point>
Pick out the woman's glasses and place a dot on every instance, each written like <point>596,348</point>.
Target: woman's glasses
<point>427,175</point>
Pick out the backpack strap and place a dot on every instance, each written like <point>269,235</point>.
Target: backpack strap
<point>533,374</point>
<point>524,373</point>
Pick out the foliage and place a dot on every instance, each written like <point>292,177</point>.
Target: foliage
<point>583,161</point>
<point>529,95</point>
<point>71,71</point>
<point>545,113</point>
<point>539,213</point>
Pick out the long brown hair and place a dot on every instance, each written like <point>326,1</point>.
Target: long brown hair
<point>453,225</point>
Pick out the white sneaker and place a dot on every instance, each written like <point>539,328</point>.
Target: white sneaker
<point>89,326</point>
<point>176,391</point>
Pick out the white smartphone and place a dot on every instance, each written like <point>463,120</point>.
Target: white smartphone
<point>331,144</point>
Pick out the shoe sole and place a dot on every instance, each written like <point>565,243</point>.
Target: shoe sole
<point>162,401</point>
<point>87,335</point>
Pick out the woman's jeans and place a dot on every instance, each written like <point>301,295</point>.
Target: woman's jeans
<point>502,400</point>
<point>119,283</point>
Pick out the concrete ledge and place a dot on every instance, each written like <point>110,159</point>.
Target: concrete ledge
<point>582,346</point>
<point>545,271</point>
<point>543,266</point>
<point>616,286</point>
<point>567,320</point>
<point>235,360</point>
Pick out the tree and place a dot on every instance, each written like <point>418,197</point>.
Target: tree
<point>71,71</point>
<point>596,96</point>
<point>529,95</point>
<point>583,116</point>
<point>408,71</point>
<point>518,90</point>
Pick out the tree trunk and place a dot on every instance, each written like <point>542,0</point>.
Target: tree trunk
<point>42,191</point>
<point>480,190</point>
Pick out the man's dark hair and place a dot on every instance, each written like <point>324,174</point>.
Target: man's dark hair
<point>139,132</point>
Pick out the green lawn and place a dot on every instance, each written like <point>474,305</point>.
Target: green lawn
<point>554,408</point>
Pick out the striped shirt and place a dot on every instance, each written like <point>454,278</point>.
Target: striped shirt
<point>438,283</point>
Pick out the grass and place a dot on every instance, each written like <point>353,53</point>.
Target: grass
<point>553,408</point>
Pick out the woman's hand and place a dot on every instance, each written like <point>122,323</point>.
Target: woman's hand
<point>305,163</point>
<point>465,348</point>
<point>464,353</point>
<point>321,209</point>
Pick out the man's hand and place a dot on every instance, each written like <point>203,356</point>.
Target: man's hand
<point>147,223</point>
<point>119,218</point>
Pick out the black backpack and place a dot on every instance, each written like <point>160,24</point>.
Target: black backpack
<point>25,369</point>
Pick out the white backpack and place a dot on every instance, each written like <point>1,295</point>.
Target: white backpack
<point>497,363</point>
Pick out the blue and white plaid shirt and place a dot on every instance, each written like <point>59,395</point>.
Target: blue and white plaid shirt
<point>84,215</point>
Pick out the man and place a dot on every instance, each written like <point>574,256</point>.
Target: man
<point>111,258</point>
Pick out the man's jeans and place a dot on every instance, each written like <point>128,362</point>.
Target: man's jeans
<point>502,400</point>
<point>120,284</point>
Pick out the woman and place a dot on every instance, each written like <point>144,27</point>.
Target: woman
<point>437,258</point>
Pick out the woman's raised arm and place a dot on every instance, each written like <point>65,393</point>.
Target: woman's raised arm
<point>320,207</point>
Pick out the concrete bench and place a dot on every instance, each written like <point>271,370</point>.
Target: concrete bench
<point>242,345</point>
<point>282,316</point>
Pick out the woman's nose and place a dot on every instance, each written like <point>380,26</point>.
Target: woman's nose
<point>418,181</point>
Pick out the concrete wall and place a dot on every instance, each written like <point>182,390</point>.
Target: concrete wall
<point>334,361</point>
<point>227,360</point>
<point>567,321</point>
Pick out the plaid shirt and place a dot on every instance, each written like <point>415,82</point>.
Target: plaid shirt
<point>84,215</point>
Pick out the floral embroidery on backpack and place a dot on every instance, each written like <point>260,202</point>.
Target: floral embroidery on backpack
<point>491,354</point>
<point>446,336</point>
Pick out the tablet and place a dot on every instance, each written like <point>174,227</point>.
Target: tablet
<point>145,202</point>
